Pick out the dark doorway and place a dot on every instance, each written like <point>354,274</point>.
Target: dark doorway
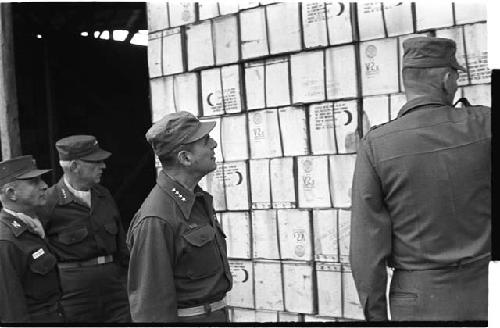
<point>69,84</point>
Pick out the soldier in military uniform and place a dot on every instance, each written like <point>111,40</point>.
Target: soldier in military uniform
<point>178,262</point>
<point>29,282</point>
<point>422,198</point>
<point>83,226</point>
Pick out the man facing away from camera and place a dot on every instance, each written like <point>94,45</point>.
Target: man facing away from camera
<point>179,270</point>
<point>422,198</point>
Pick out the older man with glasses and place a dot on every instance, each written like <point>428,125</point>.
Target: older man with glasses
<point>84,227</point>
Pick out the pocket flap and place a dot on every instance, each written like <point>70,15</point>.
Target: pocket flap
<point>201,236</point>
<point>43,264</point>
<point>74,236</point>
<point>112,228</point>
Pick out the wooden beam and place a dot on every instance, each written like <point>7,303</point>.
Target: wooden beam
<point>9,116</point>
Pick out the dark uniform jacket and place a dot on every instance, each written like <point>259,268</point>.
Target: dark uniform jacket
<point>421,195</point>
<point>29,282</point>
<point>178,253</point>
<point>77,232</point>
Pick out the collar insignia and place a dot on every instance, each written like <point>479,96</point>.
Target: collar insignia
<point>38,253</point>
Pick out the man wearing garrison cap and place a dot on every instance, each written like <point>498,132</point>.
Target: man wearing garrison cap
<point>29,282</point>
<point>179,270</point>
<point>84,227</point>
<point>421,198</point>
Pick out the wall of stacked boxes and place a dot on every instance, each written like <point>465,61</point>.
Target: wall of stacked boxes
<point>288,85</point>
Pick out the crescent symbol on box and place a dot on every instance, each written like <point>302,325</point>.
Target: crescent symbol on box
<point>240,177</point>
<point>208,99</point>
<point>246,275</point>
<point>349,117</point>
<point>342,8</point>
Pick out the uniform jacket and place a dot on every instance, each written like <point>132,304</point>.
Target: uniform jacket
<point>421,195</point>
<point>178,253</point>
<point>29,282</point>
<point>77,232</point>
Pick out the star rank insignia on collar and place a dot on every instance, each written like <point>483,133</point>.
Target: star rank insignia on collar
<point>64,193</point>
<point>16,224</point>
<point>178,194</point>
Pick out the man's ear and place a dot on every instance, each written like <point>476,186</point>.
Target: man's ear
<point>184,158</point>
<point>73,166</point>
<point>449,83</point>
<point>10,192</point>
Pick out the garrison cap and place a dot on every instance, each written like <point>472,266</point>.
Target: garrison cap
<point>427,52</point>
<point>82,147</point>
<point>174,130</point>
<point>19,168</point>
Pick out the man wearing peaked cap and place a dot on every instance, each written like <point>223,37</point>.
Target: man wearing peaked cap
<point>29,282</point>
<point>179,270</point>
<point>84,228</point>
<point>421,198</point>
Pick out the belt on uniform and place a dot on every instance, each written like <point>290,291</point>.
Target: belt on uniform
<point>201,309</point>
<point>95,261</point>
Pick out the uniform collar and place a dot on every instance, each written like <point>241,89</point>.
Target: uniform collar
<point>183,197</point>
<point>422,101</point>
<point>66,196</point>
<point>16,226</point>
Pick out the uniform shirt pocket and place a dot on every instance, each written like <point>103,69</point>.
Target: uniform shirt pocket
<point>201,258</point>
<point>42,281</point>
<point>73,236</point>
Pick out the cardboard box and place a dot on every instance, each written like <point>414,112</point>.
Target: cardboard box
<point>253,33</point>
<point>226,33</point>
<point>237,229</point>
<point>476,43</point>
<point>242,292</point>
<point>314,24</point>
<point>370,21</point>
<point>308,77</point>
<point>341,75</point>
<point>181,13</point>
<point>344,231</point>
<point>341,173</point>
<point>172,52</point>
<point>265,235</point>
<point>284,29</point>
<point>298,281</point>
<point>264,134</point>
<point>154,54</point>
<point>157,16</point>
<point>295,239</point>
<point>433,14</point>
<point>375,111</point>
<point>322,129</point>
<point>260,183</point>
<point>312,178</point>
<point>398,18</point>
<point>339,22</point>
<point>282,183</point>
<point>379,66</point>
<point>329,287</point>
<point>268,285</point>
<point>325,231</point>
<point>254,85</point>
<point>345,115</point>
<point>234,137</point>
<point>236,185</point>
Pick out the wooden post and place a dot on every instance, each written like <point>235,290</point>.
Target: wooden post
<point>9,117</point>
